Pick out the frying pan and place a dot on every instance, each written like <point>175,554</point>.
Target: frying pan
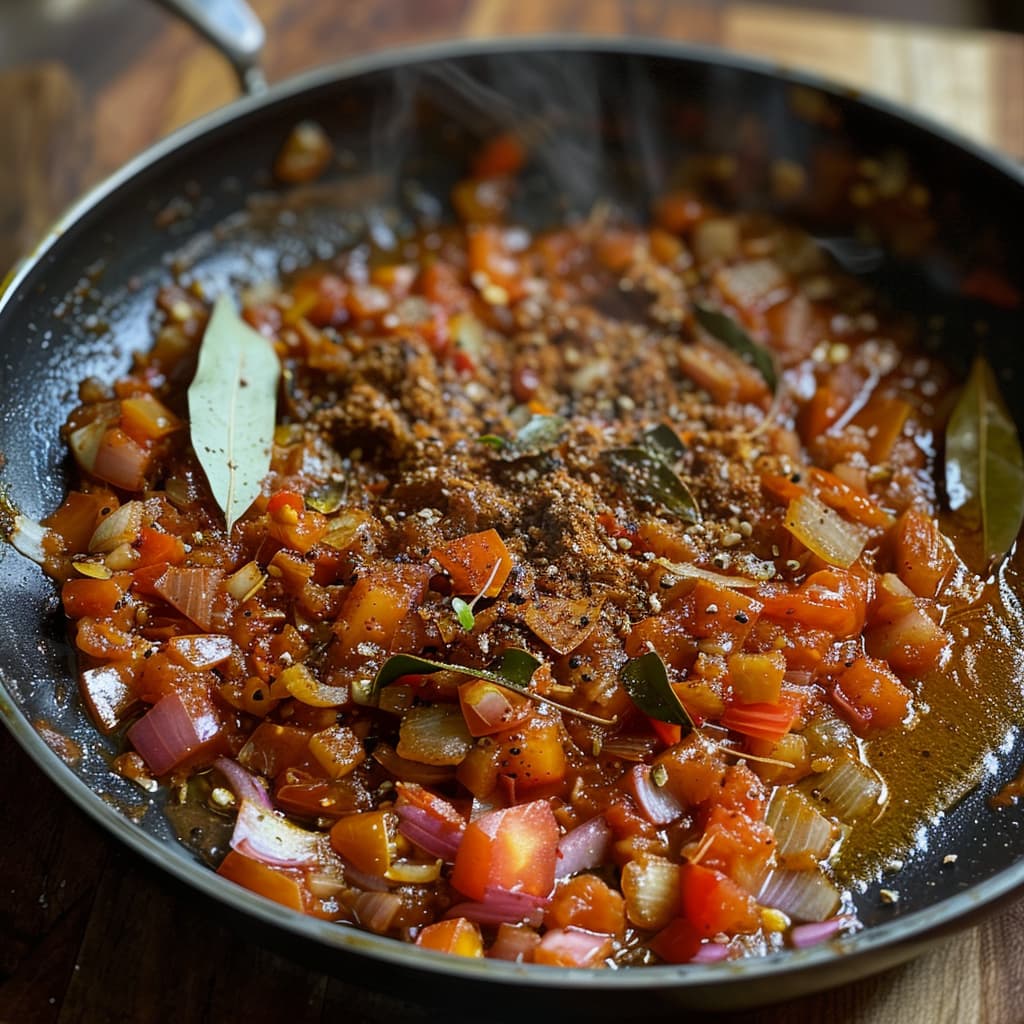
<point>607,120</point>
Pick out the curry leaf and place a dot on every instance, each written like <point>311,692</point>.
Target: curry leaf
<point>664,441</point>
<point>646,681</point>
<point>646,476</point>
<point>539,434</point>
<point>733,336</point>
<point>231,402</point>
<point>984,462</point>
<point>513,668</point>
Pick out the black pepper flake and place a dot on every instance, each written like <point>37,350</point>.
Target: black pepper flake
<point>514,751</point>
<point>575,661</point>
<point>796,478</point>
<point>584,621</point>
<point>742,618</point>
<point>515,598</point>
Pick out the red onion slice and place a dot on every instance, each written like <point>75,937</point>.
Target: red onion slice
<point>655,803</point>
<point>503,906</point>
<point>166,734</point>
<point>515,942</point>
<point>804,935</point>
<point>427,832</point>
<point>710,953</point>
<point>243,783</point>
<point>586,846</point>
<point>262,835</point>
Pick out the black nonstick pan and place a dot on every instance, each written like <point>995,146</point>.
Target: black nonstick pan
<point>608,120</point>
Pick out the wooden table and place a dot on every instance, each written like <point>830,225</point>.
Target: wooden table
<point>90,933</point>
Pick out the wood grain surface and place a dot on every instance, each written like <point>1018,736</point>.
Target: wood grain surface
<point>89,932</point>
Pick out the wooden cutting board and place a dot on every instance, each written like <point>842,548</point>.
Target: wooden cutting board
<point>88,932</point>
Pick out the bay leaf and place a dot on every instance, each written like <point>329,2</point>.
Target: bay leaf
<point>984,464</point>
<point>232,401</point>
<point>647,477</point>
<point>538,435</point>
<point>664,441</point>
<point>733,336</point>
<point>513,668</point>
<point>645,679</point>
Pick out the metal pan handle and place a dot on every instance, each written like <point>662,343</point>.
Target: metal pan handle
<point>234,29</point>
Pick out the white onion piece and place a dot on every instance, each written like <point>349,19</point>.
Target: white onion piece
<point>243,783</point>
<point>85,443</point>
<point>28,538</point>
<point>650,886</point>
<point>122,526</point>
<point>798,827</point>
<point>244,583</point>
<point>694,572</point>
<point>434,734</point>
<point>804,935</point>
<point>803,895</point>
<point>262,835</point>
<point>586,846</point>
<point>411,771</point>
<point>656,803</point>
<point>850,790</point>
<point>824,531</point>
<point>377,910</point>
<point>362,880</point>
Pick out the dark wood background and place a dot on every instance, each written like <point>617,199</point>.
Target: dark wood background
<point>89,932</point>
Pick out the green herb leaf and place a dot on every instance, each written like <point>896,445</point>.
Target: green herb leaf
<point>733,336</point>
<point>513,668</point>
<point>538,435</point>
<point>664,441</point>
<point>463,613</point>
<point>232,401</point>
<point>646,476</point>
<point>984,462</point>
<point>646,681</point>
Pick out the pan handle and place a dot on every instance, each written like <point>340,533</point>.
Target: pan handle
<point>234,29</point>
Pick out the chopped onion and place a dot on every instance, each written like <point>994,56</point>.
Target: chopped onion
<point>656,803</point>
<point>710,953</point>
<point>305,687</point>
<point>377,910</point>
<point>122,526</point>
<point>413,873</point>
<point>85,443</point>
<point>650,886</point>
<point>365,881</point>
<point>243,783</point>
<point>434,734</point>
<point>630,748</point>
<point>192,591</point>
<point>411,771</point>
<point>803,895</point>
<point>262,835</point>
<point>799,828</point>
<point>804,935</point>
<point>430,832</point>
<point>168,733</point>
<point>503,906</point>
<point>324,884</point>
<point>246,582</point>
<point>28,538</point>
<point>850,790</point>
<point>586,846</point>
<point>694,572</point>
<point>515,942</point>
<point>576,946</point>
<point>824,531</point>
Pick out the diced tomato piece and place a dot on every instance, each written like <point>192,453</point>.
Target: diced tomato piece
<point>77,518</point>
<point>277,884</point>
<point>362,839</point>
<point>489,708</point>
<point>713,903</point>
<point>738,846</point>
<point>478,563</point>
<point>838,494</point>
<point>742,790</point>
<point>456,936</point>
<point>883,420</point>
<point>587,902</point>
<point>678,942</point>
<point>292,524</point>
<point>515,848</point>
<point>903,634</point>
<point>489,257</point>
<point>721,614</point>
<point>757,678</point>
<point>923,559</point>
<point>830,599</point>
<point>377,603</point>
<point>532,754</point>
<point>871,697</point>
<point>98,598</point>
<point>158,548</point>
<point>272,748</point>
<point>668,733</point>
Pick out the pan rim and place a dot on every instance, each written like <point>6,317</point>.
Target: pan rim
<point>903,937</point>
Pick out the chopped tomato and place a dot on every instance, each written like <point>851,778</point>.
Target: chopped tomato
<point>364,841</point>
<point>278,884</point>
<point>98,598</point>
<point>713,903</point>
<point>456,936</point>
<point>830,599</point>
<point>923,558</point>
<point>478,563</point>
<point>501,156</point>
<point>572,947</point>
<point>489,708</point>
<point>871,697</point>
<point>376,605</point>
<point>678,942</point>
<point>158,548</point>
<point>515,848</point>
<point>292,524</point>
<point>587,902</point>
